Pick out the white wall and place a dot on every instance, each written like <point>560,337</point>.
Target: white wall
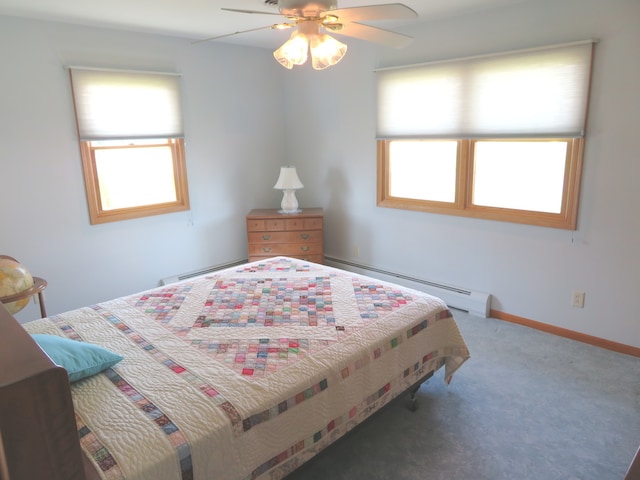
<point>531,271</point>
<point>237,138</point>
<point>234,143</point>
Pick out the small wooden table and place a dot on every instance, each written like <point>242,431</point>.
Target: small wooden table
<point>39,284</point>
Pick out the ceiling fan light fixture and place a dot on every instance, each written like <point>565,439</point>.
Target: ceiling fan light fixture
<point>293,51</point>
<point>326,51</point>
<point>312,18</point>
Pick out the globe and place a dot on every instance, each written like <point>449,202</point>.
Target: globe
<point>14,278</point>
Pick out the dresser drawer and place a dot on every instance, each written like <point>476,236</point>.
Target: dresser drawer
<point>258,225</point>
<point>314,223</point>
<point>313,236</point>
<point>265,225</point>
<point>287,249</point>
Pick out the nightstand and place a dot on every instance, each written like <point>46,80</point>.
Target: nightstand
<point>297,235</point>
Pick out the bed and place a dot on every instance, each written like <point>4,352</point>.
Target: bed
<point>244,373</point>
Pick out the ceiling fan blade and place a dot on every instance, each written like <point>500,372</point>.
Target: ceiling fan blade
<point>234,33</point>
<point>389,11</point>
<point>249,11</point>
<point>374,34</point>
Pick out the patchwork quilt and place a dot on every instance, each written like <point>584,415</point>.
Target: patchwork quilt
<point>248,372</point>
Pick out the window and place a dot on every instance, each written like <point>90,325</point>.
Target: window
<point>131,143</point>
<point>498,137</point>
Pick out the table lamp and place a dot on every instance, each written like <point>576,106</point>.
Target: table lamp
<point>288,182</point>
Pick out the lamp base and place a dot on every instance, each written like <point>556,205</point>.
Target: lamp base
<point>289,202</point>
<point>290,213</point>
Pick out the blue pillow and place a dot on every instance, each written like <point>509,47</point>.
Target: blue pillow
<point>79,359</point>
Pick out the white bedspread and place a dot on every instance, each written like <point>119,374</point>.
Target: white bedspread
<point>248,372</point>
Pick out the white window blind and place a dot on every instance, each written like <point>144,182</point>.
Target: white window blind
<point>113,104</point>
<point>527,93</point>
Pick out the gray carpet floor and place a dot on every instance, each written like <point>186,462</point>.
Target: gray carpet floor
<point>527,405</point>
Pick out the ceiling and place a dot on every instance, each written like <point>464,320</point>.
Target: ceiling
<point>200,19</point>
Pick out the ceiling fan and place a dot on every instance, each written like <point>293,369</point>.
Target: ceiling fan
<point>312,18</point>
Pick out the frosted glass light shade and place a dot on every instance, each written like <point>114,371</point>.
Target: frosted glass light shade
<point>293,51</point>
<point>288,182</point>
<point>326,51</point>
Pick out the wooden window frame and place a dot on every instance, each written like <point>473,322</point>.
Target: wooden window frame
<point>98,215</point>
<point>462,206</point>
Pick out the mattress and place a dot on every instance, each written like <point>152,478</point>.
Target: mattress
<point>248,372</point>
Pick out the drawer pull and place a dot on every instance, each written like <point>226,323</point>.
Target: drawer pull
<point>266,249</point>
<point>266,237</point>
<point>304,248</point>
<point>304,236</point>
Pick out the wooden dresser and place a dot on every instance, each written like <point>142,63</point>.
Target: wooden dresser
<point>298,235</point>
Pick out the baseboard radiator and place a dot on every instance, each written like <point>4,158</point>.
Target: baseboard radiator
<point>476,303</point>
<point>202,271</point>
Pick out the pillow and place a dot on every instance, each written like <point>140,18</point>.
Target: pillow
<point>79,359</point>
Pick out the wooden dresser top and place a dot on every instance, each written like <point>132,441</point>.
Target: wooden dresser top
<point>273,212</point>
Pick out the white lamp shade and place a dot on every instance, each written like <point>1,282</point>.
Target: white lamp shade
<point>288,179</point>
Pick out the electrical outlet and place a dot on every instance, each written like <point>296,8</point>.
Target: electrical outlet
<point>578,299</point>
<point>356,251</point>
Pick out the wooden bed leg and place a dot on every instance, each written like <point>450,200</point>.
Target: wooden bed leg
<point>412,404</point>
